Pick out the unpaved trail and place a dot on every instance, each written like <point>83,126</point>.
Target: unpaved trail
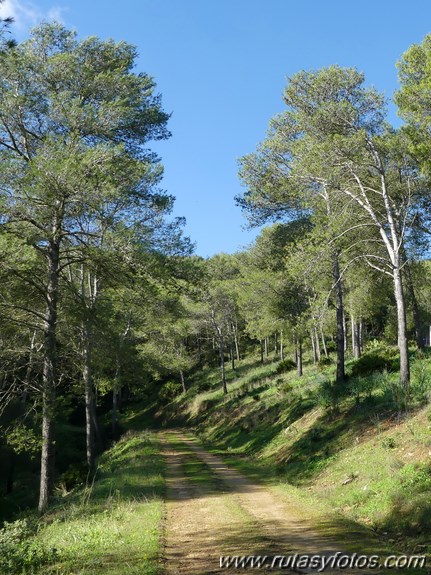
<point>213,511</point>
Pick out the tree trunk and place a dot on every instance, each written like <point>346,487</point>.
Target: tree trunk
<point>356,348</point>
<point>313,346</point>
<point>238,355</point>
<point>199,351</point>
<point>346,333</point>
<point>340,374</point>
<point>261,351</point>
<point>90,410</point>
<point>316,336</point>
<point>222,366</point>
<point>49,377</point>
<point>29,369</point>
<point>266,347</point>
<point>275,344</point>
<point>183,381</point>
<point>235,331</point>
<point>325,349</point>
<point>232,355</point>
<point>299,356</point>
<point>281,346</point>
<point>402,330</point>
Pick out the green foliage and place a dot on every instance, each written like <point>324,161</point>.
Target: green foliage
<point>169,391</point>
<point>413,98</point>
<point>331,347</point>
<point>420,387</point>
<point>363,386</point>
<point>20,552</point>
<point>389,443</point>
<point>330,394</point>
<point>22,438</point>
<point>75,475</point>
<point>286,388</point>
<point>378,360</point>
<point>113,521</point>
<point>323,363</point>
<point>411,503</point>
<point>285,366</point>
<point>416,477</point>
<point>396,392</point>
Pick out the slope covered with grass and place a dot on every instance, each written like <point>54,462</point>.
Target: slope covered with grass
<point>112,525</point>
<point>355,449</point>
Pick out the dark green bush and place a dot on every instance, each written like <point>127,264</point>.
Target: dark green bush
<point>169,390</point>
<point>420,387</point>
<point>286,388</point>
<point>416,477</point>
<point>363,386</point>
<point>324,362</point>
<point>396,392</point>
<point>285,365</point>
<point>331,347</point>
<point>203,386</point>
<point>330,394</point>
<point>76,474</point>
<point>384,359</point>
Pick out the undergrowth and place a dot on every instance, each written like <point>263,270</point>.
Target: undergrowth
<point>110,526</point>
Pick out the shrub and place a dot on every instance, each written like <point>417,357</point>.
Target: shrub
<point>203,386</point>
<point>385,359</point>
<point>412,513</point>
<point>331,347</point>
<point>285,365</point>
<point>330,394</point>
<point>420,386</point>
<point>323,363</point>
<point>19,553</point>
<point>398,394</point>
<point>373,345</point>
<point>169,390</point>
<point>389,443</point>
<point>362,386</point>
<point>286,388</point>
<point>76,474</point>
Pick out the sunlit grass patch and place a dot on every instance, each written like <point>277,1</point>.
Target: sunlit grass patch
<point>113,526</point>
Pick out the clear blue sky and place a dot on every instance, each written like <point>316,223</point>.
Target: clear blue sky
<point>221,65</point>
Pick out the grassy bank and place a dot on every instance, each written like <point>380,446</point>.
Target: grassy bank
<point>354,450</point>
<point>110,526</point>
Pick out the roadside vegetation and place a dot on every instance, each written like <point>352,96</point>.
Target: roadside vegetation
<point>355,450</point>
<point>113,524</point>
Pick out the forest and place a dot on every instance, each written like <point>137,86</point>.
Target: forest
<point>111,326</point>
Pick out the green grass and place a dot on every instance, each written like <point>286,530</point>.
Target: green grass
<point>114,525</point>
<point>363,459</point>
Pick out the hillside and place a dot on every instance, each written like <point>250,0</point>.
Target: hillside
<point>354,452</point>
<point>112,524</point>
<point>277,465</point>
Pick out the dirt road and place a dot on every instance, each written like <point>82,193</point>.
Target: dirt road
<point>213,511</point>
